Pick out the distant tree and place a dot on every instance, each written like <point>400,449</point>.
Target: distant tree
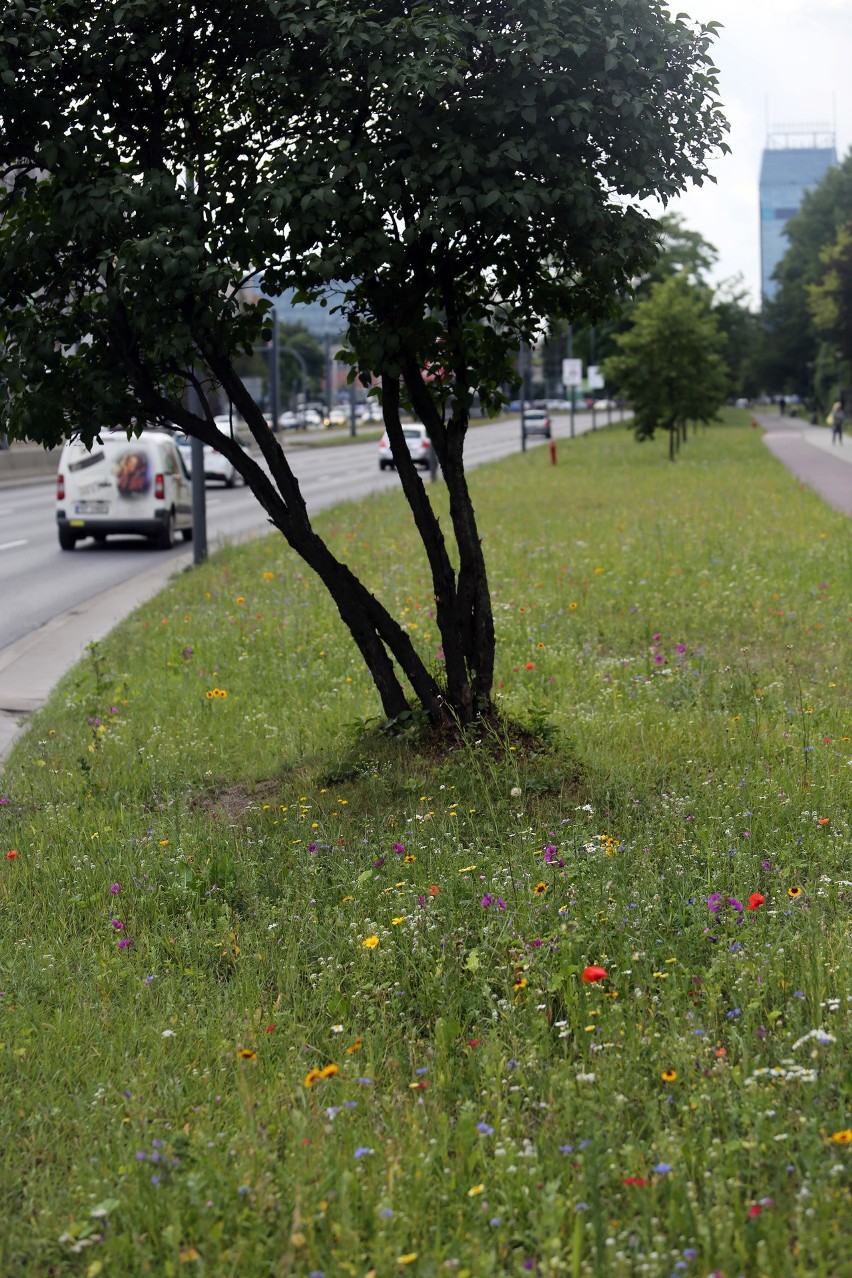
<point>795,356</point>
<point>463,171</point>
<point>669,363</point>
<point>830,300</point>
<point>741,329</point>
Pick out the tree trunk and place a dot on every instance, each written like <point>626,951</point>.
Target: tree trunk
<point>379,637</point>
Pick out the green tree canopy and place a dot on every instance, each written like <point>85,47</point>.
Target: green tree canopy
<point>798,356</point>
<point>669,363</point>
<point>462,172</point>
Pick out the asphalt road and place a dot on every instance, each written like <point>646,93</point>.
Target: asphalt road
<point>53,602</point>
<point>38,581</point>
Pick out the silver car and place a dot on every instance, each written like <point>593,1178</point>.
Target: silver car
<point>419,448</point>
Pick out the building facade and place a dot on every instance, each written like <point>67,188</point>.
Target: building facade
<point>794,161</point>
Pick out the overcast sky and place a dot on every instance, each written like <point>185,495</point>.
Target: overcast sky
<point>788,61</point>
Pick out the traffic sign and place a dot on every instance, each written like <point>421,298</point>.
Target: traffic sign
<point>572,373</point>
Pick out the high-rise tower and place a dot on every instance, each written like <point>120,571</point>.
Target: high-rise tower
<point>795,159</point>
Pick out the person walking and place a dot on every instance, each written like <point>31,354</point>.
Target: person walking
<point>837,415</point>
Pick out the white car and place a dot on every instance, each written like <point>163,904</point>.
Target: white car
<point>119,485</point>
<point>601,405</point>
<point>419,448</point>
<point>536,422</point>
<point>216,464</point>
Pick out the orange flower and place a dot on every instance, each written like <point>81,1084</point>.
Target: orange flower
<point>434,890</point>
<point>823,820</point>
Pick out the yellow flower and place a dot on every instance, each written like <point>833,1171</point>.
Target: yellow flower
<point>370,943</point>
<point>311,1077</point>
<point>407,1259</point>
<point>669,1075</point>
<point>269,576</point>
<point>540,889</point>
<point>354,1047</point>
<point>410,858</point>
<point>474,1190</point>
<point>329,1071</point>
<point>572,606</point>
<point>843,1137</point>
<point>794,892</point>
<point>466,869</point>
<point>401,919</point>
<point>520,984</point>
<point>246,1054</point>
<point>347,898</point>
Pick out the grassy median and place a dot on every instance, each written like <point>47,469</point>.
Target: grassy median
<point>285,994</point>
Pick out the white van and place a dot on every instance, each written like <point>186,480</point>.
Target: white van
<point>120,485</point>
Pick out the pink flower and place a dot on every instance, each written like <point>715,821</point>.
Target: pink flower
<point>115,888</point>
<point>124,943</point>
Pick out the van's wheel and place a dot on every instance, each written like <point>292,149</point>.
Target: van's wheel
<point>186,533</point>
<point>166,539</point>
<point>67,540</point>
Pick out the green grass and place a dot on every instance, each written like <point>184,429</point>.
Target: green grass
<point>678,638</point>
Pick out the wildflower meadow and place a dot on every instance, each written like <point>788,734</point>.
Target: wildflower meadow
<point>289,991</point>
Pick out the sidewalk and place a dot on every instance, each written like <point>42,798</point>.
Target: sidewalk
<point>808,453</point>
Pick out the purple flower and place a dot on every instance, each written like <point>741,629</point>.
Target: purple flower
<point>124,943</point>
<point>658,660</point>
<point>494,1222</point>
<point>501,904</point>
<point>735,904</point>
<point>140,1155</point>
<point>422,1069</point>
<point>115,888</point>
<point>566,1149</point>
<point>148,979</point>
<point>487,900</point>
<point>550,853</point>
<point>714,902</point>
<point>662,1168</point>
<point>680,647</point>
<point>117,924</point>
<point>399,849</point>
<point>377,865</point>
<point>484,1129</point>
<point>155,1180</point>
<point>362,1150</point>
<point>365,1082</point>
<point>3,800</point>
<point>733,1014</point>
<point>312,847</point>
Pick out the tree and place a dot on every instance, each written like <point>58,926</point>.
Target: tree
<point>670,363</point>
<point>830,300</point>
<point>461,171</point>
<point>795,359</point>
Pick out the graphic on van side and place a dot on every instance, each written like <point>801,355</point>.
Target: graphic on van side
<point>133,473</point>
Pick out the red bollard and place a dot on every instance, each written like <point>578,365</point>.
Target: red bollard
<point>553,451</point>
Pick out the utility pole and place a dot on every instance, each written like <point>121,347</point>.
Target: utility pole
<point>273,372</point>
<point>199,493</point>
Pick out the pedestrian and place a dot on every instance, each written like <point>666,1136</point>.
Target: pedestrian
<point>838,412</point>
<point>782,405</point>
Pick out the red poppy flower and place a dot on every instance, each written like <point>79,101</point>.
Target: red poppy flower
<point>756,900</point>
<point>634,1180</point>
<point>434,890</point>
<point>10,856</point>
<point>473,1042</point>
<point>823,820</point>
<point>592,974</point>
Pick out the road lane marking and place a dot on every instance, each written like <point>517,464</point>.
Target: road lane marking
<point>10,545</point>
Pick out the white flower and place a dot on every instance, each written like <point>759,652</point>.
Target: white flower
<point>168,1034</point>
<point>820,1035</point>
<point>515,792</point>
<point>585,1078</point>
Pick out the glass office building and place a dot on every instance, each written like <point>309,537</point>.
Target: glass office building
<point>794,161</point>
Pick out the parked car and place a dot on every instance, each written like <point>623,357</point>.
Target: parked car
<point>216,464</point>
<point>137,486</point>
<point>337,416</point>
<point>603,404</point>
<point>419,448</point>
<point>536,421</point>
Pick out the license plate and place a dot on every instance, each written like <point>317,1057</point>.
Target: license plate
<point>91,508</point>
